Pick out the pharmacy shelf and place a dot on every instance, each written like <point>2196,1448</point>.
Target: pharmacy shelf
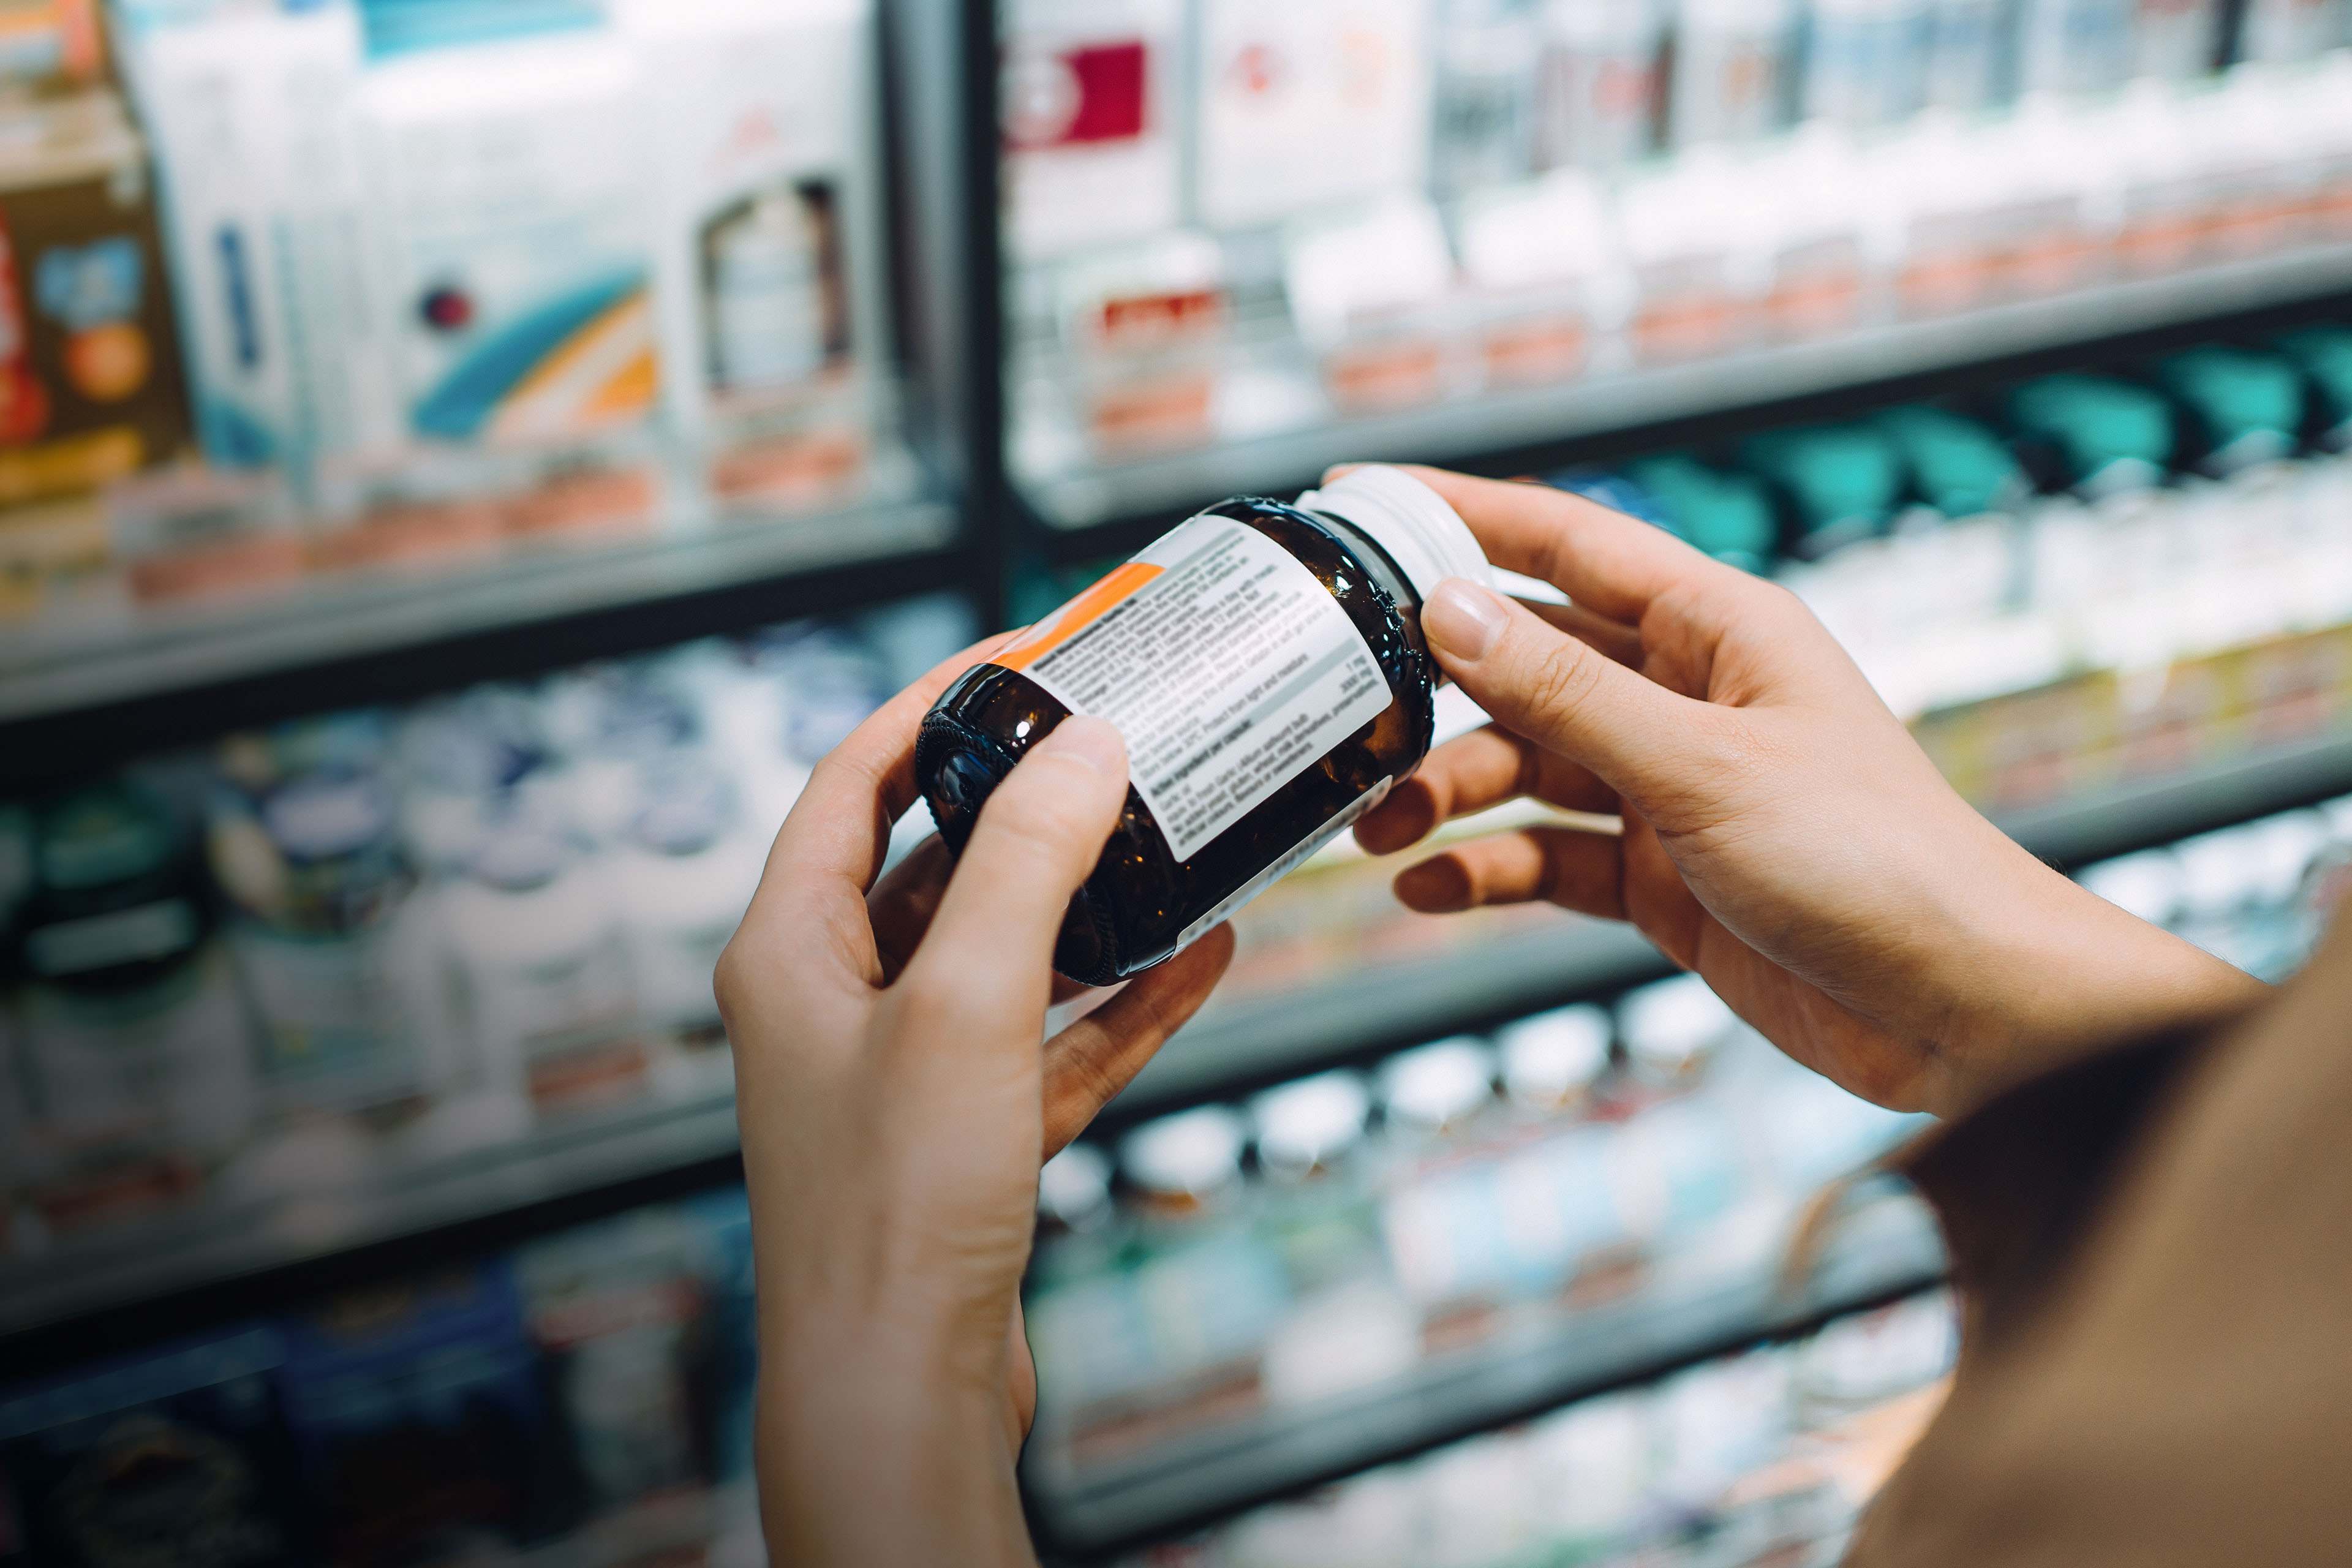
<point>1705,1302</point>
<point>78,661</point>
<point>1233,1047</point>
<point>1475,427</point>
<point>160,1259</point>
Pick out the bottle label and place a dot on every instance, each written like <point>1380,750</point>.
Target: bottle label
<point>1225,663</point>
<point>1284,866</point>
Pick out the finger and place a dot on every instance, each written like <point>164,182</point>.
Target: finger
<point>1470,773</point>
<point>901,905</point>
<point>991,946</point>
<point>1642,739</point>
<point>808,926</point>
<point>1579,871</point>
<point>1614,638</point>
<point>1604,560</point>
<point>840,826</point>
<point>1097,1056</point>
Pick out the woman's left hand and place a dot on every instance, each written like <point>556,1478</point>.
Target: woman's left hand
<point>897,1096</point>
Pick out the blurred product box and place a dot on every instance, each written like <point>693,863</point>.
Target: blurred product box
<point>90,365</point>
<point>1093,149</point>
<point>1308,105</point>
<point>421,1420</point>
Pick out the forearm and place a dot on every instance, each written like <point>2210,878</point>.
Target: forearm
<point>2060,974</point>
<point>875,1450</point>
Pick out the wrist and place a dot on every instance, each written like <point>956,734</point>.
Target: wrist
<point>2055,973</point>
<point>885,1440</point>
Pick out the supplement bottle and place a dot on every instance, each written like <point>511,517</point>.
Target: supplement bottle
<point>1265,665</point>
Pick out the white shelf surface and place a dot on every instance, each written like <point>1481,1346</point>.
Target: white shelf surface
<point>1601,401</point>
<point>70,661</point>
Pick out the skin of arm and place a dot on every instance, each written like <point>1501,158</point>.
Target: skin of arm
<point>897,1095</point>
<point>1784,836</point>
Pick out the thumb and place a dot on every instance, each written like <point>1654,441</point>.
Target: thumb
<point>1539,682</point>
<point>989,951</point>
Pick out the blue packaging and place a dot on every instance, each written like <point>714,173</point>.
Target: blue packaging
<point>178,1457</point>
<point>420,1421</point>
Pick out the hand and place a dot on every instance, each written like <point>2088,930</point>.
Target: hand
<point>896,1103</point>
<point>1783,834</point>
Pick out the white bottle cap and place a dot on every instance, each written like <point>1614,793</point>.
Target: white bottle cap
<point>1310,1122</point>
<point>1553,1054</point>
<point>1425,537</point>
<point>1074,1187</point>
<point>1434,1086</point>
<point>1669,1026</point>
<point>1191,1153</point>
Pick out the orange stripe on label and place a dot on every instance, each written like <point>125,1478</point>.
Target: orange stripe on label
<point>1077,615</point>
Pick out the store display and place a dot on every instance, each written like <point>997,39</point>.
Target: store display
<point>1766,1456</point>
<point>341,326</point>
<point>1817,187</point>
<point>586,1396</point>
<point>1353,1260</point>
<point>1261,662</point>
<point>314,960</point>
<point>426,321</point>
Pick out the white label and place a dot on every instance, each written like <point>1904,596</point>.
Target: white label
<point>1284,866</point>
<point>1225,663</point>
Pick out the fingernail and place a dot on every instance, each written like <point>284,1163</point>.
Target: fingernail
<point>1094,741</point>
<point>1338,471</point>
<point>1463,619</point>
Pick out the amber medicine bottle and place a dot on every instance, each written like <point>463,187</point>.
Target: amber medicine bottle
<point>1265,665</point>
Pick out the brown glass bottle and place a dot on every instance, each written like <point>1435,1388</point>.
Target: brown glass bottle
<point>1374,546</point>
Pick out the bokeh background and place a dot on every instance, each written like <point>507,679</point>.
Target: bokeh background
<point>462,462</point>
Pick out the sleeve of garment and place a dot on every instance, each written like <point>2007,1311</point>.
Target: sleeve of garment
<point>2153,1250</point>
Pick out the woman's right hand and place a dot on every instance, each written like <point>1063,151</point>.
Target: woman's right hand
<point>1783,834</point>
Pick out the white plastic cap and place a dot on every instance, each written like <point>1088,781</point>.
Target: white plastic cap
<point>2147,884</point>
<point>1425,537</point>
<point>1303,1124</point>
<point>1550,1056</point>
<point>1193,1152</point>
<point>1074,1187</point>
<point>1668,1026</point>
<point>1433,1085</point>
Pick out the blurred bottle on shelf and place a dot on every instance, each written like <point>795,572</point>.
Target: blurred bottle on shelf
<point>1866,61</point>
<point>681,878</point>
<point>136,1048</point>
<point>1308,105</point>
<point>2074,45</point>
<point>1968,54</point>
<point>1733,70</point>
<point>1601,88</point>
<point>2280,30</point>
<point>542,968</point>
<point>616,1309</point>
<point>1482,107</point>
<point>304,839</point>
<point>1368,293</point>
<point>1147,325</point>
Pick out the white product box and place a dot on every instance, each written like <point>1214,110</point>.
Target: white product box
<point>1308,104</point>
